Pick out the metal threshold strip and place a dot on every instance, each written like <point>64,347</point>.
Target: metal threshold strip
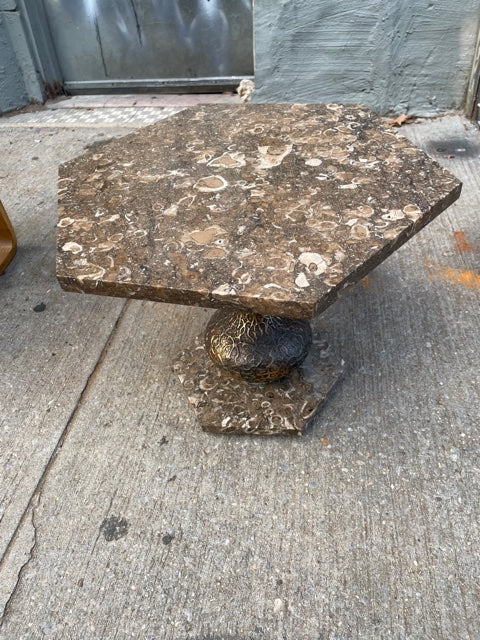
<point>187,85</point>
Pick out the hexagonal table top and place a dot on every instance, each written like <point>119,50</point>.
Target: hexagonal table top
<point>274,208</point>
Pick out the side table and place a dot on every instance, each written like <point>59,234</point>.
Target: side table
<point>265,212</point>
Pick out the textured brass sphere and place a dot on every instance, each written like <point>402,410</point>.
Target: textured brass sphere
<point>257,348</point>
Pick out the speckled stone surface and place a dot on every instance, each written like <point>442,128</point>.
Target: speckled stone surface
<point>224,404</point>
<point>273,208</point>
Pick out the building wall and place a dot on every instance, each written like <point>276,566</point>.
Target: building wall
<point>398,56</point>
<point>13,93</point>
<point>28,67</point>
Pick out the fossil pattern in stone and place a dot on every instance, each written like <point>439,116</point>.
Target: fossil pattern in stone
<point>254,347</point>
<point>225,404</point>
<point>273,208</point>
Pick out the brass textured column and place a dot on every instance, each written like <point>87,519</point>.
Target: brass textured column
<point>255,347</point>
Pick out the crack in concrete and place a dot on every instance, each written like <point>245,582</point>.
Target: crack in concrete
<point>37,492</point>
<point>24,566</point>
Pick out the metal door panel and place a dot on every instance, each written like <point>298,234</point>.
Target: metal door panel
<point>142,43</point>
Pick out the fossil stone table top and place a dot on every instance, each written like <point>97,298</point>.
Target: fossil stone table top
<point>273,208</point>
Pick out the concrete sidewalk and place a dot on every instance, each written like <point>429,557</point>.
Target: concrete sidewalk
<point>120,519</point>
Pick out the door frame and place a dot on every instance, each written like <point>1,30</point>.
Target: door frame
<point>472,97</point>
<point>41,47</point>
<point>45,57</point>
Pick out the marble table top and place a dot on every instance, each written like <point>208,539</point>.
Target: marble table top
<point>274,208</point>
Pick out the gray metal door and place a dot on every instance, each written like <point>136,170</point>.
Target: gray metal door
<point>150,44</point>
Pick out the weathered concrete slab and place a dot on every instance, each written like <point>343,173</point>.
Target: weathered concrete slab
<point>366,527</point>
<point>142,100</point>
<point>103,119</point>
<point>46,360</point>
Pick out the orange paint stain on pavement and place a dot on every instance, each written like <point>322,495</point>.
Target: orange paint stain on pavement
<point>461,241</point>
<point>465,277</point>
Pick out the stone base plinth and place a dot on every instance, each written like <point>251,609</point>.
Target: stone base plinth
<point>224,404</point>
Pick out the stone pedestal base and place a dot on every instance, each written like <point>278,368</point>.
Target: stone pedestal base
<point>224,404</point>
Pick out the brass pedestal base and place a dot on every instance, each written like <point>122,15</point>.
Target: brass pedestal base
<point>225,404</point>
<point>255,347</point>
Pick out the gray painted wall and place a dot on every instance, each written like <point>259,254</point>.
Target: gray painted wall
<point>12,87</point>
<point>396,56</point>
<point>27,60</point>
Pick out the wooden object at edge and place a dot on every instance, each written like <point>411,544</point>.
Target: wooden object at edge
<point>8,240</point>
